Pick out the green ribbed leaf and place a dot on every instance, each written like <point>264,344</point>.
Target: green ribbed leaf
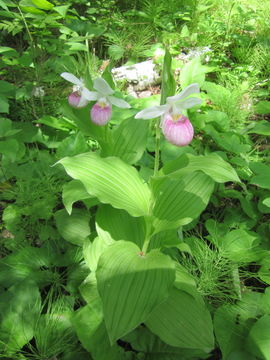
<point>179,201</point>
<point>228,330</point>
<point>74,228</point>
<point>19,311</point>
<point>73,191</point>
<point>89,325</point>
<point>93,250</point>
<point>183,321</point>
<point>261,127</point>
<point>144,341</point>
<point>241,246</point>
<point>193,72</point>
<point>212,165</point>
<point>167,83</point>
<point>128,140</point>
<point>259,338</point>
<point>262,175</point>
<point>81,118</point>
<point>131,285</point>
<point>62,9</point>
<point>111,180</point>
<point>114,224</point>
<point>43,4</point>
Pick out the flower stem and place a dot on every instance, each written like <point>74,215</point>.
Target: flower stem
<point>156,166</point>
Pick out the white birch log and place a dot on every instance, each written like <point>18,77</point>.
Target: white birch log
<point>140,76</point>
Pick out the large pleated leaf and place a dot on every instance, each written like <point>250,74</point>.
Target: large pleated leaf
<point>128,140</point>
<point>92,251</point>
<point>73,191</point>
<point>74,228</point>
<point>168,83</point>
<point>262,175</point>
<point>89,325</point>
<point>259,338</point>
<point>43,4</point>
<point>19,310</point>
<point>212,165</point>
<point>228,330</point>
<point>179,201</point>
<point>111,180</point>
<point>114,224</point>
<point>144,341</point>
<point>131,285</point>
<point>183,321</point>
<point>241,246</point>
<point>81,118</point>
<point>26,263</point>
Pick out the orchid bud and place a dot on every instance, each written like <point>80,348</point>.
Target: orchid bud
<point>77,101</point>
<point>178,132</point>
<point>101,113</point>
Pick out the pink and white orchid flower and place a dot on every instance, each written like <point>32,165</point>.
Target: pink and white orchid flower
<point>101,112</point>
<point>176,127</point>
<point>79,97</point>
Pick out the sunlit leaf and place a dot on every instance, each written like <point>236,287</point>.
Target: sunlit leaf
<point>261,127</point>
<point>241,246</point>
<point>259,338</point>
<point>263,107</point>
<point>193,72</point>
<point>131,285</point>
<point>128,140</point>
<point>75,227</point>
<point>179,201</point>
<point>43,4</point>
<point>73,191</point>
<point>212,165</point>
<point>111,181</point>
<point>62,10</point>
<point>114,224</point>
<point>72,145</point>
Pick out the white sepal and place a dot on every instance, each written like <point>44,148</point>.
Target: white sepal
<point>89,95</point>
<point>189,90</point>
<point>72,79</point>
<point>103,87</point>
<point>118,102</point>
<point>83,102</point>
<point>187,103</point>
<point>152,112</point>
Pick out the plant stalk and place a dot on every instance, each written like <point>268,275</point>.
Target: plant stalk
<point>156,166</point>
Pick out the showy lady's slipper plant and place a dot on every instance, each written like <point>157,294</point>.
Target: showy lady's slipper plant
<point>135,215</point>
<point>176,127</point>
<point>101,112</point>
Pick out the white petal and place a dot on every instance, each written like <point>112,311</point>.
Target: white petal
<point>89,95</point>
<point>82,103</point>
<point>152,112</point>
<point>102,86</point>
<point>118,102</point>
<point>71,78</point>
<point>188,103</point>
<point>189,90</point>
